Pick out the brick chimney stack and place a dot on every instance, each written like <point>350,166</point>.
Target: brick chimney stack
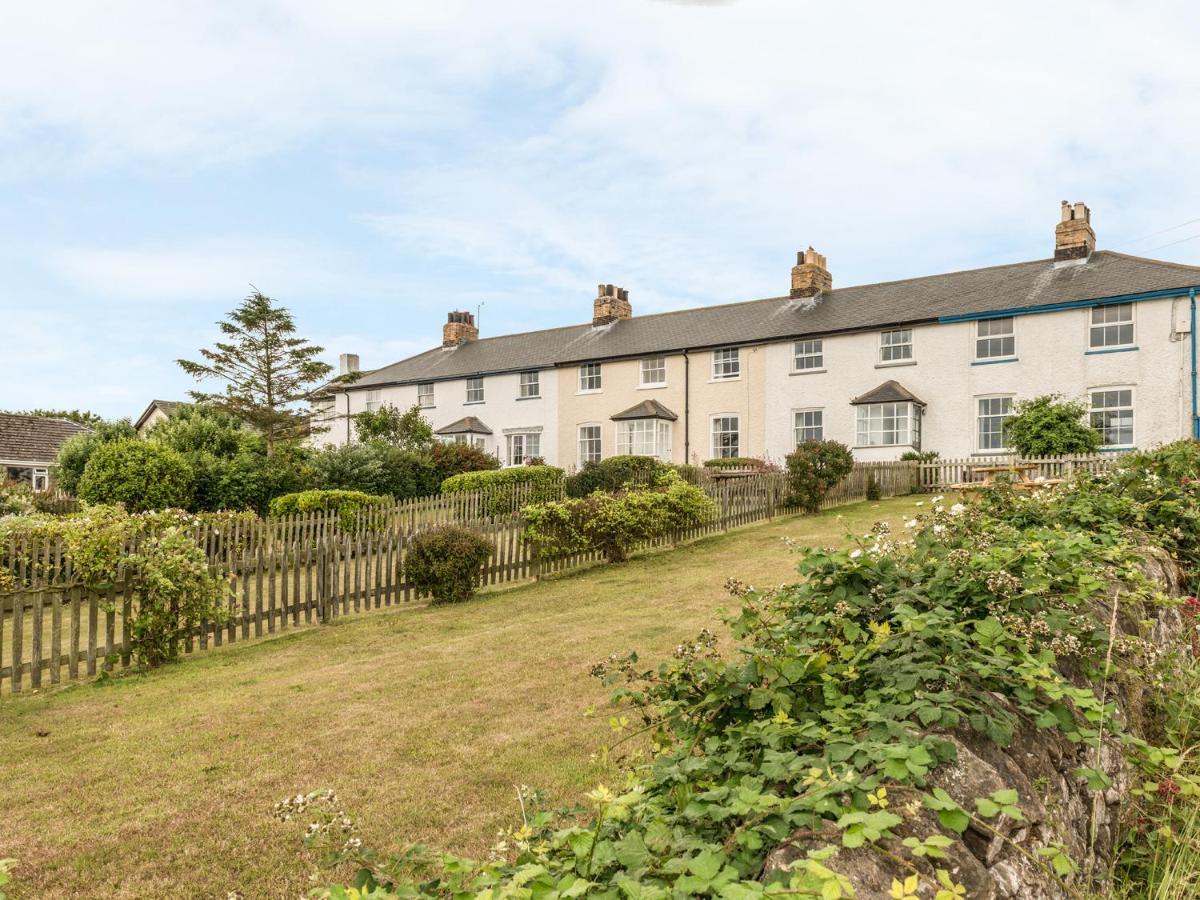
<point>810,275</point>
<point>611,303</point>
<point>1073,236</point>
<point>459,328</point>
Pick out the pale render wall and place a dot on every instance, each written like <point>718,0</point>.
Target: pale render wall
<point>744,397</point>
<point>1051,358</point>
<point>501,409</point>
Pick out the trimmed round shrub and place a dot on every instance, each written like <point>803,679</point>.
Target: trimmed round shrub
<point>814,468</point>
<point>347,504</point>
<point>141,475</point>
<point>508,489</point>
<point>446,563</point>
<point>616,473</point>
<point>454,459</point>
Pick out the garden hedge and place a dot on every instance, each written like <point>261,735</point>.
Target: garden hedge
<point>508,488</point>
<point>347,504</point>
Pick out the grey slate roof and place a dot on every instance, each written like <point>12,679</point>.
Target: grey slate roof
<point>34,439</point>
<point>997,288</point>
<point>647,409</point>
<point>888,392</point>
<point>465,425</point>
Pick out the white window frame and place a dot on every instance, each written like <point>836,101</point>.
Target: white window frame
<point>584,451</point>
<point>473,440</point>
<point>659,368</point>
<point>644,437</point>
<point>530,384</point>
<point>425,395</point>
<point>991,343</point>
<point>591,378</point>
<point>1110,321</point>
<point>524,439</point>
<point>1094,410</point>
<point>373,400</point>
<point>40,479</point>
<point>895,346</point>
<point>810,421</point>
<point>908,435</point>
<point>727,364</point>
<point>719,452</point>
<point>809,355</point>
<point>475,390</point>
<point>981,416</point>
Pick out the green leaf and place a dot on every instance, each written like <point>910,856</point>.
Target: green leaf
<point>954,819</point>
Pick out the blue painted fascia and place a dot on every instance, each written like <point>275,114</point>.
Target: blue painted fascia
<point>1109,350</point>
<point>1072,304</point>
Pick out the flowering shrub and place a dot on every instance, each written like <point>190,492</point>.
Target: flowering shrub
<point>814,468</point>
<point>616,523</point>
<point>823,729</point>
<point>446,562</point>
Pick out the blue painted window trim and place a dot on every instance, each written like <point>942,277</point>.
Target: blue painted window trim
<point>1109,350</point>
<point>994,362</point>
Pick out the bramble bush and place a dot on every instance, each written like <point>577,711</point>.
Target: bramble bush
<point>508,489</point>
<point>616,523</point>
<point>446,562</point>
<point>615,473</point>
<point>347,504</point>
<point>814,468</point>
<point>165,571</point>
<point>821,730</point>
<point>140,475</point>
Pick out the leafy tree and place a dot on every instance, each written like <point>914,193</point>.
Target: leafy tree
<point>142,475</point>
<point>76,451</point>
<point>454,459</point>
<point>267,369</point>
<point>201,429</point>
<point>1050,425</point>
<point>407,430</point>
<point>814,468</point>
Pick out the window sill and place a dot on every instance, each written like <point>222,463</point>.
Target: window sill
<point>883,446</point>
<point>725,379</point>
<point>531,397</point>
<point>808,371</point>
<point>1104,350</point>
<point>589,391</point>
<point>474,402</point>
<point>993,362</point>
<point>430,406</point>
<point>987,454</point>
<point>651,387</point>
<point>893,365</point>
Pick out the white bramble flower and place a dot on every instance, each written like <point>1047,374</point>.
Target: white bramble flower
<point>911,523</point>
<point>957,509</point>
<point>855,554</point>
<point>939,528</point>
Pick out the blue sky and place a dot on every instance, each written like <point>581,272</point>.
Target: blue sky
<point>374,165</point>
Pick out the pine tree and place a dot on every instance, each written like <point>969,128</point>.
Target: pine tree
<point>266,368</point>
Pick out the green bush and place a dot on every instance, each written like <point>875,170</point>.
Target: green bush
<point>446,563</point>
<point>509,489</point>
<point>814,468</point>
<point>76,451</point>
<point>16,498</point>
<point>614,474</point>
<point>451,459</point>
<point>919,456</point>
<point>140,475</point>
<point>347,504</point>
<point>615,523</point>
<point>738,462</point>
<point>1050,426</point>
<point>375,468</point>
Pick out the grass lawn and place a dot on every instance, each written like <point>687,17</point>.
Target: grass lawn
<point>422,719</point>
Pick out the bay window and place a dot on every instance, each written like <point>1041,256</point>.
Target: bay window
<point>889,424</point>
<point>644,437</point>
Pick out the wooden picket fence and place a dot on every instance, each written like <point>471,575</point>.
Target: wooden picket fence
<point>313,569</point>
<point>938,474</point>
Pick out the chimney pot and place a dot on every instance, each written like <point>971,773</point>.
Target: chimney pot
<point>348,363</point>
<point>1073,236</point>
<point>459,328</point>
<point>810,275</point>
<point>611,303</point>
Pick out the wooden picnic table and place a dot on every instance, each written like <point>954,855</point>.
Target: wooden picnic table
<point>1022,482</point>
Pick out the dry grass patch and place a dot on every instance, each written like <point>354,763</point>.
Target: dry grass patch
<point>422,719</point>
